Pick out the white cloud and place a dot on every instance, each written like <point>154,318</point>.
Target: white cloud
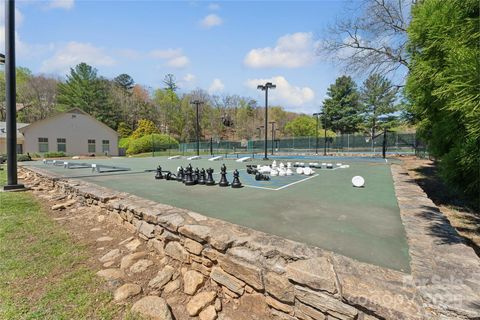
<point>216,86</point>
<point>73,53</point>
<point>18,15</point>
<point>62,4</point>
<point>189,77</point>
<point>210,21</point>
<point>285,94</point>
<point>175,57</point>
<point>291,51</point>
<point>214,6</point>
<point>166,53</point>
<point>178,62</point>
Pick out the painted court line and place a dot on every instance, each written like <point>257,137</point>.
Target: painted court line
<point>282,187</point>
<point>291,184</point>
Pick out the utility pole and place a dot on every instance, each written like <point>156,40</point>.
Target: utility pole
<point>10,98</point>
<point>316,115</point>
<point>265,88</point>
<point>197,126</point>
<point>273,133</point>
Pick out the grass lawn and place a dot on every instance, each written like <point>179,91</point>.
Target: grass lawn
<point>43,274</point>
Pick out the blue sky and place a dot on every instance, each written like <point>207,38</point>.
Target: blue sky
<point>225,47</point>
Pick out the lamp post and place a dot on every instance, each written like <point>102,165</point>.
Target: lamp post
<point>265,88</point>
<point>10,98</point>
<point>316,115</point>
<point>324,132</point>
<point>273,133</point>
<point>197,129</point>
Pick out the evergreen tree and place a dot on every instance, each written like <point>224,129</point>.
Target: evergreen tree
<point>378,96</point>
<point>342,107</point>
<point>125,82</point>
<point>85,90</point>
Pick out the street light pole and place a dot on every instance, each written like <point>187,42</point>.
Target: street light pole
<point>197,127</point>
<point>324,132</point>
<point>316,115</point>
<point>273,133</point>
<point>10,98</point>
<point>265,88</point>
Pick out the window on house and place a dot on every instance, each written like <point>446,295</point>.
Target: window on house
<point>106,146</point>
<point>91,146</point>
<point>61,145</point>
<point>42,144</point>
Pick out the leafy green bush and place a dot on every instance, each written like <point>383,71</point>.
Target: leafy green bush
<point>23,157</point>
<point>154,141</point>
<point>54,154</point>
<point>124,142</point>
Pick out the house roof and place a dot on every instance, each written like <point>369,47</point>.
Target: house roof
<point>73,110</point>
<point>3,129</point>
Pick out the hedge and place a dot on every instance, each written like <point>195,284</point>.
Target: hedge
<point>148,143</point>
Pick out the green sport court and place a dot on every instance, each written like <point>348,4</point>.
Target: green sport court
<point>322,210</point>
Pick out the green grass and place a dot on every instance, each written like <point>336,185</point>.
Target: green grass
<point>42,271</point>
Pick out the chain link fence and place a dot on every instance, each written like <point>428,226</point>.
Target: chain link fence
<point>396,143</point>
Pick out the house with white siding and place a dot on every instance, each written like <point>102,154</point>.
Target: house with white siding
<point>73,132</point>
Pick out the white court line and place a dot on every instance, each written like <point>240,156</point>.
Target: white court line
<point>291,184</point>
<point>257,187</point>
<point>282,187</point>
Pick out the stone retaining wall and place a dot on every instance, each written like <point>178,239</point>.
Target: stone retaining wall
<point>296,280</point>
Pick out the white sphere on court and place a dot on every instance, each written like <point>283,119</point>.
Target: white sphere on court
<point>299,170</point>
<point>358,181</point>
<point>307,171</point>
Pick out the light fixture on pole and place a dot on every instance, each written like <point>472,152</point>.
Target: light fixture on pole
<point>197,103</point>
<point>265,88</point>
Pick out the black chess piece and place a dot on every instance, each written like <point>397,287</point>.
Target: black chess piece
<point>210,181</point>
<point>202,178</point>
<point>196,175</point>
<point>236,180</point>
<point>180,174</point>
<point>261,177</point>
<point>159,174</point>
<point>223,179</point>
<point>189,177</point>
<point>168,176</point>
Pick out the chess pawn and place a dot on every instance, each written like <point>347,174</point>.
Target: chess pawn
<point>159,174</point>
<point>236,180</point>
<point>282,173</point>
<point>180,174</point>
<point>202,178</point>
<point>274,164</point>
<point>188,177</point>
<point>282,165</point>
<point>210,181</point>
<point>289,172</point>
<point>196,175</point>
<point>223,179</point>
<point>274,173</point>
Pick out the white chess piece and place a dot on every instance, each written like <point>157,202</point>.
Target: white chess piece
<point>289,172</point>
<point>299,170</point>
<point>289,164</point>
<point>274,173</point>
<point>307,171</point>
<point>274,164</point>
<point>282,165</point>
<point>282,173</point>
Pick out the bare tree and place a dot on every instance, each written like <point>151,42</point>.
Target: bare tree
<point>39,96</point>
<point>372,38</point>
